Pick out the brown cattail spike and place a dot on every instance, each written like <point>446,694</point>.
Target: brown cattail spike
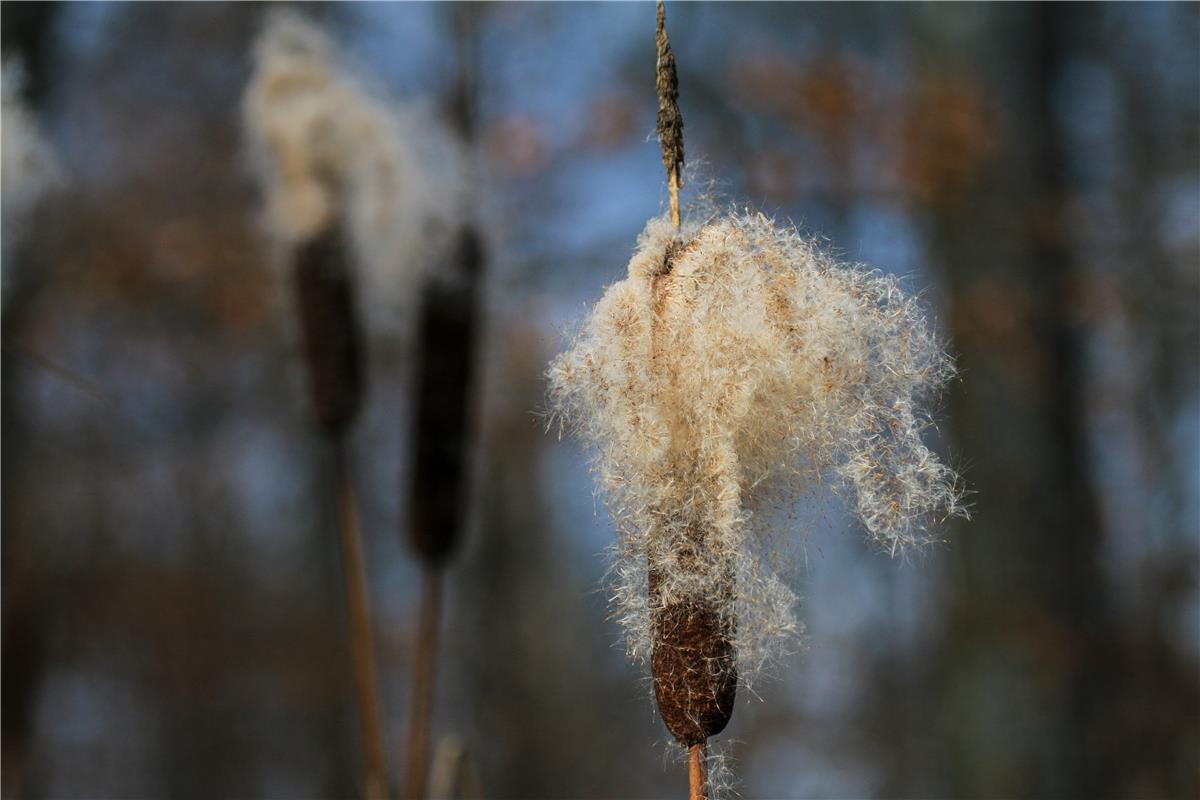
<point>329,326</point>
<point>693,662</point>
<point>447,347</point>
<point>692,657</point>
<point>670,121</point>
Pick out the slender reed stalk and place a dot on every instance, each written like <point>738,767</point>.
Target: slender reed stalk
<point>348,175</point>
<point>362,639</point>
<point>697,772</point>
<point>423,685</point>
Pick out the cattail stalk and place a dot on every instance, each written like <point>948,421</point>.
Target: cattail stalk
<point>362,640</point>
<point>424,680</point>
<point>697,772</point>
<point>332,348</point>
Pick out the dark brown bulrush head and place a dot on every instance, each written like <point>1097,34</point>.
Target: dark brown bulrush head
<point>446,342</point>
<point>329,326</point>
<point>693,661</point>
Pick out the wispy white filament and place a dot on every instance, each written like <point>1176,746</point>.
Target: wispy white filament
<point>732,367</point>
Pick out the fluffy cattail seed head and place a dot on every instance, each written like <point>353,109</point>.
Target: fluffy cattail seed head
<point>326,151</point>
<point>734,366</point>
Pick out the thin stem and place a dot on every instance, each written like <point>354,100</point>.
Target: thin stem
<point>424,674</point>
<point>697,772</point>
<point>673,191</point>
<point>362,639</point>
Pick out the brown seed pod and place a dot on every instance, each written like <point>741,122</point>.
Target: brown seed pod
<point>332,341</point>
<point>449,316</point>
<point>693,662</point>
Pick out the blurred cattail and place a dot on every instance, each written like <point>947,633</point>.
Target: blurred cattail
<point>449,322</point>
<point>350,201</point>
<point>449,319</point>
<point>28,167</point>
<point>327,152</point>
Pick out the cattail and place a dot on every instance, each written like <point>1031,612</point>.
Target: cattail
<point>449,319</point>
<point>734,366</point>
<point>29,168</point>
<point>327,152</point>
<point>349,199</point>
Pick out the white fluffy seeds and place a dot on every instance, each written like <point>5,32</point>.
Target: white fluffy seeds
<point>326,151</point>
<point>733,366</point>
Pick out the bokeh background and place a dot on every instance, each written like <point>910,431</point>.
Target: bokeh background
<point>173,614</point>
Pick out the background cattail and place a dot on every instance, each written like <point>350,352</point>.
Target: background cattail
<point>449,322</point>
<point>29,168</point>
<point>734,366</point>
<point>327,151</point>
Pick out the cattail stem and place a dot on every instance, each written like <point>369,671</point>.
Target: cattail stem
<point>697,771</point>
<point>673,191</point>
<point>424,673</point>
<point>362,639</point>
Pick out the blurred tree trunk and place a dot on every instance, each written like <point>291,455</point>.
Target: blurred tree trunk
<point>1024,682</point>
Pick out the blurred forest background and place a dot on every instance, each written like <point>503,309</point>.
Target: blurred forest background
<point>173,616</point>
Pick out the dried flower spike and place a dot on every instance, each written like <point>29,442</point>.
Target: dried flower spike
<point>735,365</point>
